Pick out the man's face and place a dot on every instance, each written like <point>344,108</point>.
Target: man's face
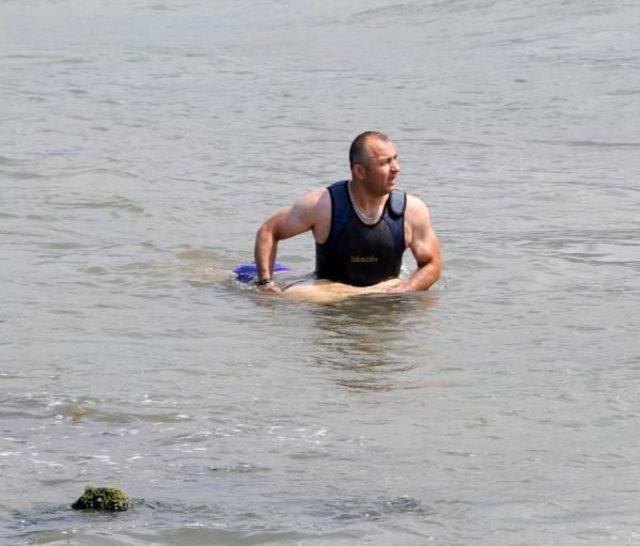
<point>381,168</point>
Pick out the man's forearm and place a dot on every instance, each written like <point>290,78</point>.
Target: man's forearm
<point>421,279</point>
<point>265,252</point>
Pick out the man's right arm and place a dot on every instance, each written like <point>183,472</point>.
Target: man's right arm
<point>286,222</point>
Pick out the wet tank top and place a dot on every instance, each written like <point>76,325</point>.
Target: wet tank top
<point>356,253</point>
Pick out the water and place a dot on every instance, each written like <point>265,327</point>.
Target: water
<point>143,143</point>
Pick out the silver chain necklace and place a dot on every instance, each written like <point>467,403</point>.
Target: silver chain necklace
<point>368,220</point>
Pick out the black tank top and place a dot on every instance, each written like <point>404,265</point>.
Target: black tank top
<point>356,253</point>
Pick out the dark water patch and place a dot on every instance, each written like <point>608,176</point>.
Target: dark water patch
<point>48,523</point>
<point>195,54</point>
<point>163,523</point>
<point>309,455</point>
<point>42,517</point>
<point>599,251</point>
<point>624,92</point>
<point>144,267</point>
<point>114,204</point>
<point>56,482</point>
<point>28,56</point>
<point>318,70</point>
<point>8,161</point>
<point>194,438</point>
<point>41,406</point>
<point>21,175</point>
<point>202,255</point>
<point>384,12</point>
<point>72,61</point>
<point>106,172</point>
<point>131,417</point>
<point>160,7</point>
<point>201,535</point>
<point>374,385</point>
<point>587,143</point>
<point>241,468</point>
<point>42,217</point>
<point>365,509</point>
<point>95,270</point>
<point>63,246</point>
<point>111,102</point>
<point>440,142</point>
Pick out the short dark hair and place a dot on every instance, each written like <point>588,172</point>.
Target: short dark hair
<point>357,152</point>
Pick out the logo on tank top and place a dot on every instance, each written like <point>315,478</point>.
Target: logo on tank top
<point>363,259</point>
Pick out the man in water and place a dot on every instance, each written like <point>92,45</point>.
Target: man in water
<point>361,228</point>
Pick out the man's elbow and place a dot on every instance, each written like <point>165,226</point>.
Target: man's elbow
<point>431,271</point>
<point>270,233</point>
<point>261,231</point>
<point>262,238</point>
<point>265,231</point>
<point>437,268</point>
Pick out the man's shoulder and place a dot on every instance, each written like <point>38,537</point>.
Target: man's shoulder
<point>416,209</point>
<point>315,195</point>
<point>314,200</point>
<point>415,202</point>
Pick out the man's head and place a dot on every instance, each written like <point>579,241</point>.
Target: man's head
<point>374,162</point>
<point>358,151</point>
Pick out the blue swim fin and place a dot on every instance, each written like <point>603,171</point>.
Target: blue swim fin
<point>249,272</point>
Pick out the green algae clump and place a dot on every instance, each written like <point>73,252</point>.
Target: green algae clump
<point>105,499</point>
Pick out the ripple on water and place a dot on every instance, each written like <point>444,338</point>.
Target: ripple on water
<point>7,160</point>
<point>59,524</point>
<point>241,468</point>
<point>85,533</point>
<point>115,203</point>
<point>371,509</point>
<point>20,175</point>
<point>41,406</point>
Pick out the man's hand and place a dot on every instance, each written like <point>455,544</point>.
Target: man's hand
<point>384,287</point>
<point>270,288</point>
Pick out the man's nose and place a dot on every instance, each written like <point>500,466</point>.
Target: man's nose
<point>395,165</point>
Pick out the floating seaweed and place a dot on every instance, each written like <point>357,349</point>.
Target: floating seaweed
<point>105,499</point>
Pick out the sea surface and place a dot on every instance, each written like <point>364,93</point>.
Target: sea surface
<point>142,144</point>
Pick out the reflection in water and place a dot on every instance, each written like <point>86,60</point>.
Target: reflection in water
<point>370,338</point>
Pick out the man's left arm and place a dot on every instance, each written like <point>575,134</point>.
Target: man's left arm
<point>424,245</point>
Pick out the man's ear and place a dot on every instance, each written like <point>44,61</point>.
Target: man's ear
<point>358,171</point>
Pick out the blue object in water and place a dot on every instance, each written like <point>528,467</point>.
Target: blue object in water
<point>248,272</point>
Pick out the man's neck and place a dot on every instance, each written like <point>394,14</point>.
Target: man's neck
<point>364,199</point>
<point>367,207</point>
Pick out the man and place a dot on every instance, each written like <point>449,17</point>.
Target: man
<point>361,227</point>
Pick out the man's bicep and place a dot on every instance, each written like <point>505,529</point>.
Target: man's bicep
<point>424,244</point>
<point>426,248</point>
<point>291,221</point>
